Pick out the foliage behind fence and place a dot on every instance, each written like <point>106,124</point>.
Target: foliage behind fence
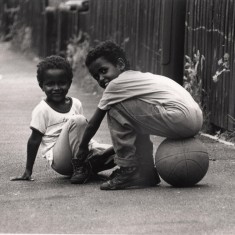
<point>210,26</point>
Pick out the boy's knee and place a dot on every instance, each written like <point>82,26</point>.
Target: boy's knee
<point>78,120</point>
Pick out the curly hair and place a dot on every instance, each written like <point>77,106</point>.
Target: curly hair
<point>110,51</point>
<point>53,62</point>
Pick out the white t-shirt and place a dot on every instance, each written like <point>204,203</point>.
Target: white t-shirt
<point>148,87</point>
<point>50,123</point>
<point>176,106</point>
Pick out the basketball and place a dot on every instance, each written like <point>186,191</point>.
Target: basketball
<point>182,163</point>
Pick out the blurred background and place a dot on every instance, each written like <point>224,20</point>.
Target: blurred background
<point>191,41</point>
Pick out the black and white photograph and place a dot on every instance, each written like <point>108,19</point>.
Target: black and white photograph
<point>117,117</point>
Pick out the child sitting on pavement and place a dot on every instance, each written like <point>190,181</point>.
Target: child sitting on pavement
<point>58,124</point>
<point>138,105</point>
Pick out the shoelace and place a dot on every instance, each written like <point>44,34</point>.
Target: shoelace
<point>76,169</point>
<point>78,163</point>
<point>83,168</point>
<point>115,173</point>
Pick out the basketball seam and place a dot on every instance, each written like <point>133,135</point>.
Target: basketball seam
<point>187,173</point>
<point>197,163</point>
<point>183,153</point>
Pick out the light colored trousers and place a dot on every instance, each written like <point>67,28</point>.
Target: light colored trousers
<point>131,123</point>
<point>67,145</point>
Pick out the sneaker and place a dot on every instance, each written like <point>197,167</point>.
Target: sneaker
<point>151,177</point>
<point>125,177</point>
<point>81,172</point>
<point>114,173</point>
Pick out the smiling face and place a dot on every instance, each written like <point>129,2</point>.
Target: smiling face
<point>104,72</point>
<point>55,85</point>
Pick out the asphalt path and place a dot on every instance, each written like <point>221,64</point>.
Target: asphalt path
<point>50,204</point>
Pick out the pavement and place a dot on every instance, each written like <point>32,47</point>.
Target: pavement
<point>50,204</point>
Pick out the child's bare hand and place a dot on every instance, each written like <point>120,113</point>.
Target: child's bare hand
<point>25,176</point>
<point>82,153</point>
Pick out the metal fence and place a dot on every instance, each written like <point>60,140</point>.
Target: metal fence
<point>151,32</point>
<point>134,24</point>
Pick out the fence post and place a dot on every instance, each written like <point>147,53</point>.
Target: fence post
<point>51,30</point>
<point>172,58</point>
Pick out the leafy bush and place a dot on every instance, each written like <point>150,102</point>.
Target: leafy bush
<point>193,84</point>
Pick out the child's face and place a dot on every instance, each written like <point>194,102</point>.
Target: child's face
<point>103,71</point>
<point>55,85</point>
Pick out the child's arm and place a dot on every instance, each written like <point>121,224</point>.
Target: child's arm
<point>32,149</point>
<point>91,129</point>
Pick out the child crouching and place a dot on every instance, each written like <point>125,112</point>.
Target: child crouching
<point>138,105</point>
